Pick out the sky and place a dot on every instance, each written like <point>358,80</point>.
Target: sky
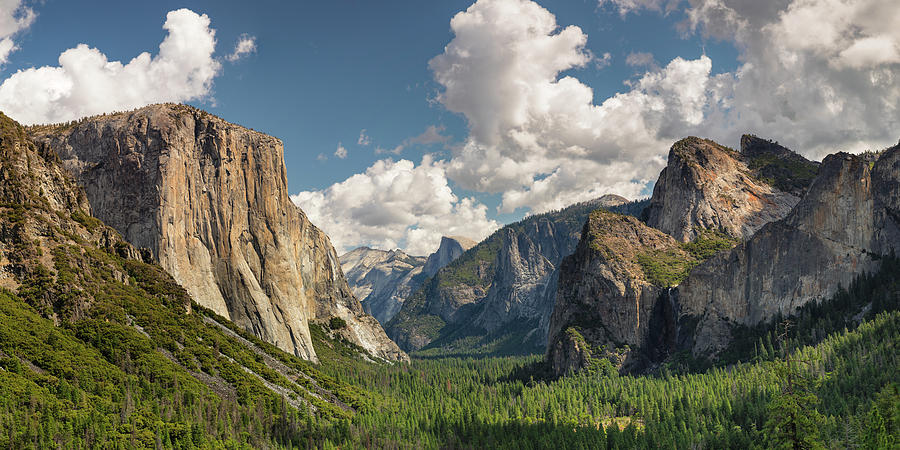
<point>407,120</point>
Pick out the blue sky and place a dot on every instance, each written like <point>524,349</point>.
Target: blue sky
<point>322,72</point>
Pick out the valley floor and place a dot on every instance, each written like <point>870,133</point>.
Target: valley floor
<point>501,403</point>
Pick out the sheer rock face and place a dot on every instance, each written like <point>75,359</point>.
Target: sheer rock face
<point>524,282</point>
<point>848,216</point>
<point>506,284</point>
<point>706,185</point>
<point>209,201</point>
<point>451,248</point>
<point>605,305</point>
<point>382,280</point>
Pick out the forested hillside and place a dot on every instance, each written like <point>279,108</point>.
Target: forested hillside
<point>100,349</point>
<point>843,351</point>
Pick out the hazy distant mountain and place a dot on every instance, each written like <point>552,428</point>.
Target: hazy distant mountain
<point>498,296</point>
<point>382,280</point>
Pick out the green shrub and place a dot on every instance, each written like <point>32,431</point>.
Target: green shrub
<point>708,244</point>
<point>90,223</point>
<point>336,323</point>
<point>665,268</point>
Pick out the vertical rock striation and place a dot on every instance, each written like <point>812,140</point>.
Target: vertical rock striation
<point>835,233</point>
<point>209,202</point>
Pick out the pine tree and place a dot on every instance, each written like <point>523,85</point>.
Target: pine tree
<point>793,420</point>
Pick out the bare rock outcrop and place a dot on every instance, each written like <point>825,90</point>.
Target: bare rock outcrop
<point>846,220</point>
<point>706,186</point>
<point>606,305</point>
<point>451,248</point>
<point>382,280</point>
<point>209,202</point>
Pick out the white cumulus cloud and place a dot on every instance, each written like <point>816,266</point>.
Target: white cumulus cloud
<point>539,138</point>
<point>395,205</point>
<point>86,82</point>
<point>246,45</point>
<point>817,75</point>
<point>14,18</point>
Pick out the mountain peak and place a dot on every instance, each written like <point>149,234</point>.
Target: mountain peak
<point>463,241</point>
<point>707,186</point>
<point>608,200</point>
<point>451,248</point>
<point>777,165</point>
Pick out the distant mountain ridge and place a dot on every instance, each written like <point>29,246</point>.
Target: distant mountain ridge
<point>382,280</point>
<point>497,297</point>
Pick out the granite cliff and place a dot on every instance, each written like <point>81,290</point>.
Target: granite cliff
<point>497,297</point>
<point>87,317</point>
<point>382,280</point>
<point>208,200</point>
<point>607,303</point>
<point>747,262</point>
<point>846,220</point>
<point>706,186</point>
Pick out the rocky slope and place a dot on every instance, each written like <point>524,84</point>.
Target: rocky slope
<point>848,216</point>
<point>498,296</point>
<point>382,280</point>
<point>208,200</point>
<point>606,304</point>
<point>42,209</point>
<point>708,186</point>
